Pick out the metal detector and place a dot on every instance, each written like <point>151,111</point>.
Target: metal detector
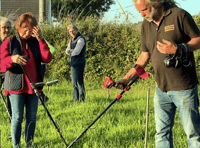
<point>2,96</point>
<point>108,83</point>
<point>34,86</point>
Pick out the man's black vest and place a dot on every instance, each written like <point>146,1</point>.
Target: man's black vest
<point>78,59</point>
<point>14,77</point>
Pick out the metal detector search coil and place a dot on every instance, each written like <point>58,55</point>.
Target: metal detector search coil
<point>108,82</point>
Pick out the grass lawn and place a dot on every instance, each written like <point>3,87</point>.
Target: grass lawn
<point>122,126</point>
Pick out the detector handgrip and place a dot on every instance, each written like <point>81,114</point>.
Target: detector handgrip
<point>40,84</point>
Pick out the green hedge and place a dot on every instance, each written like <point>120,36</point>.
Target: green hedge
<point>112,48</point>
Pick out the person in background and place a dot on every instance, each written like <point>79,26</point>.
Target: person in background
<point>6,27</point>
<point>168,30</point>
<point>44,97</point>
<point>76,50</point>
<point>43,71</point>
<point>27,42</point>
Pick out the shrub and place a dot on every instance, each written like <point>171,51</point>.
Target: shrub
<point>112,48</point>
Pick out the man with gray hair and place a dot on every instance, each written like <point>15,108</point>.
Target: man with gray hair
<point>76,50</point>
<point>169,37</point>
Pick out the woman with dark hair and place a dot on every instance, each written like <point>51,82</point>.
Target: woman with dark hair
<point>29,42</point>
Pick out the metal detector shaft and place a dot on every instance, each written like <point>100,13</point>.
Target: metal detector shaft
<point>46,83</point>
<point>129,84</point>
<point>48,113</point>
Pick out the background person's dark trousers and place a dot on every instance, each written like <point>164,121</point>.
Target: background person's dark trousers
<point>78,83</point>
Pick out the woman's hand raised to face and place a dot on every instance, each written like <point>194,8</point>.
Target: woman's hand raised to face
<point>37,33</point>
<point>18,59</point>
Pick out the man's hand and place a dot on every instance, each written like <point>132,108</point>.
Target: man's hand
<point>68,51</point>
<point>121,83</point>
<point>166,47</point>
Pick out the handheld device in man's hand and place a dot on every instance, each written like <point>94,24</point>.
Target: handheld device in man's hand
<point>26,57</point>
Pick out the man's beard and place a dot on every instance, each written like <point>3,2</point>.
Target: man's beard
<point>153,16</point>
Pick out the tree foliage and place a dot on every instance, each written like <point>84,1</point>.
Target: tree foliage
<point>79,8</point>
